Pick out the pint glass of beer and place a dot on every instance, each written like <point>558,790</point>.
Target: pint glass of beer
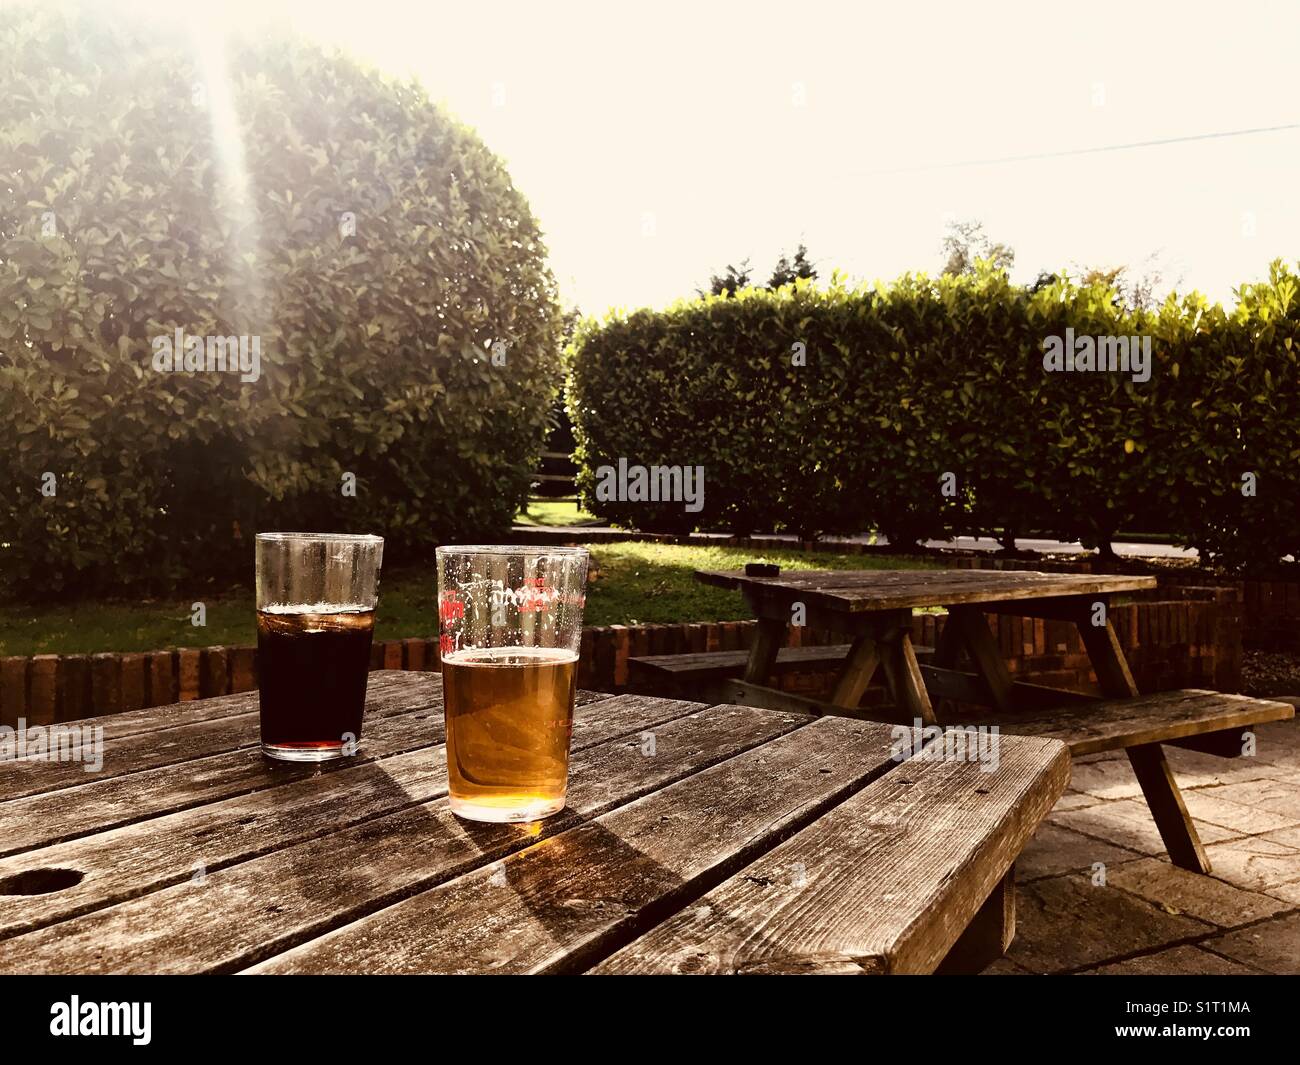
<point>511,620</point>
<point>316,596</point>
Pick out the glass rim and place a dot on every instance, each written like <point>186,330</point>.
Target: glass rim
<point>351,538</point>
<point>509,549</point>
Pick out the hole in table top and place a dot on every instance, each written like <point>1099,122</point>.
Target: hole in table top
<point>40,881</point>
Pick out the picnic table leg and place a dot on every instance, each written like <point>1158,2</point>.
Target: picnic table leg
<point>1148,761</point>
<point>947,648</point>
<point>768,640</point>
<point>859,667</point>
<point>903,675</point>
<point>1167,807</point>
<point>947,653</point>
<point>989,934</point>
<point>1102,645</point>
<point>974,631</point>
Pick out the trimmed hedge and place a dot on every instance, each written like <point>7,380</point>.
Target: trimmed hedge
<point>375,246</point>
<point>908,381</point>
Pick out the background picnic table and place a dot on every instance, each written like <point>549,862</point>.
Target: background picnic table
<point>875,607</point>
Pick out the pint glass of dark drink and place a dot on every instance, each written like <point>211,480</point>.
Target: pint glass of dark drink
<point>511,621</point>
<point>316,596</point>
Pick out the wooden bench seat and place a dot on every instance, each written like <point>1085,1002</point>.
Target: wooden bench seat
<point>685,672</point>
<point>1164,717</point>
<point>1139,726</point>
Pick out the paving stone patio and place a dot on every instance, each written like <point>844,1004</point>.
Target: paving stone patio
<point>1098,896</point>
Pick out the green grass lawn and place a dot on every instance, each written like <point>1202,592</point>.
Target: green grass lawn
<point>554,512</point>
<point>640,582</point>
<point>635,582</point>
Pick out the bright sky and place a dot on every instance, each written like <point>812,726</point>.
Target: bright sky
<point>659,142</point>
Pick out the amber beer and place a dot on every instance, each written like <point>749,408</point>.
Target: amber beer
<point>510,620</point>
<point>312,678</point>
<point>509,714</point>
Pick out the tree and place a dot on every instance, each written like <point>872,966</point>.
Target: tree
<point>730,282</point>
<point>1135,287</point>
<point>790,269</point>
<point>966,241</point>
<point>349,256</point>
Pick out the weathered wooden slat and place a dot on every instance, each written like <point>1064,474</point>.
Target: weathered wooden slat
<point>762,652</point>
<point>776,603</point>
<point>1114,724</point>
<point>245,912</point>
<point>886,881</point>
<point>569,900</point>
<point>869,590</point>
<point>742,693</point>
<point>970,688</point>
<point>99,805</point>
<point>136,752</point>
<point>146,855</point>
<point>1035,697</point>
<point>706,665</point>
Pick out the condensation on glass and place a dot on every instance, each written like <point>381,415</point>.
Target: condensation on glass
<point>511,626</point>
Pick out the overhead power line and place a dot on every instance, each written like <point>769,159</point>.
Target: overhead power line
<point>1088,151</point>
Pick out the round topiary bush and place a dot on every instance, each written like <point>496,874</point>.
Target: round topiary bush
<point>369,248</point>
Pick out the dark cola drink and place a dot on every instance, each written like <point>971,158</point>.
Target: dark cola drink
<point>312,680</point>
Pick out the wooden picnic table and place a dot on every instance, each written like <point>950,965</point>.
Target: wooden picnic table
<point>697,838</point>
<point>875,607</point>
